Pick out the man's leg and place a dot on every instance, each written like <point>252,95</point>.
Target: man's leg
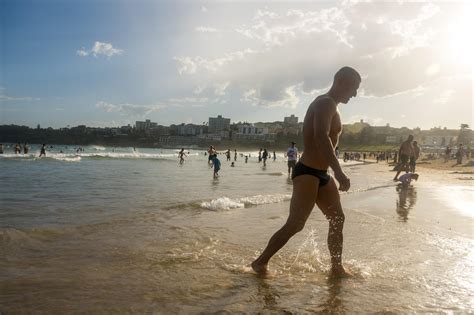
<point>329,202</point>
<point>305,189</point>
<point>402,167</point>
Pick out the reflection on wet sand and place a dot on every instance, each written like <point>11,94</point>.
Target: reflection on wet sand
<point>406,201</point>
<point>267,293</point>
<point>333,304</point>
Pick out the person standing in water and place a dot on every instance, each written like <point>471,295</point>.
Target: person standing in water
<point>292,154</point>
<point>265,157</point>
<point>311,182</point>
<point>43,150</point>
<point>181,156</point>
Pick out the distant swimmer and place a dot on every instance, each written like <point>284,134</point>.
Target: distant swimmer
<point>406,179</point>
<point>227,154</point>
<point>406,150</point>
<point>274,156</point>
<point>216,165</point>
<point>17,148</point>
<point>43,150</point>
<point>235,155</point>
<point>1,148</point>
<point>232,164</point>
<point>246,158</point>
<point>26,148</point>
<point>292,154</point>
<point>181,155</point>
<point>311,181</point>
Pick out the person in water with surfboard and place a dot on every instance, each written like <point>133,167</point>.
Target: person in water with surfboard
<point>311,182</point>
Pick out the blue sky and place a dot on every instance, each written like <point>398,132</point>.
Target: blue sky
<point>110,63</point>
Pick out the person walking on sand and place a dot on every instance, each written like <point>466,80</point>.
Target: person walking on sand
<point>274,156</point>
<point>414,157</point>
<point>447,154</point>
<point>292,154</point>
<point>459,154</point>
<point>406,150</point>
<point>311,182</point>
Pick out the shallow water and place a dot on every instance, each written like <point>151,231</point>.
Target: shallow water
<point>134,231</point>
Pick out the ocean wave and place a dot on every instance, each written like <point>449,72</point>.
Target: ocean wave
<point>225,203</point>
<point>96,155</point>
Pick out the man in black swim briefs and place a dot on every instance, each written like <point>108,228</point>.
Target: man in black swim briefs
<point>311,182</point>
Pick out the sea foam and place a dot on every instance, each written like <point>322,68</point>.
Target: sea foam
<point>225,203</point>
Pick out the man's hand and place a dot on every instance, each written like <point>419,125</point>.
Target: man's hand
<point>344,181</point>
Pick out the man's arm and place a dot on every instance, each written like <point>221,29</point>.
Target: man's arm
<point>322,118</point>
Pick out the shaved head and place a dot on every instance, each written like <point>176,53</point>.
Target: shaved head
<point>347,74</point>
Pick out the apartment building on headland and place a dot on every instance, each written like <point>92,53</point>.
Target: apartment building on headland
<point>292,120</point>
<point>218,124</point>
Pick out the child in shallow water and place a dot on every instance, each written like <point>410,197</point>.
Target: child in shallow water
<point>217,166</point>
<point>406,179</point>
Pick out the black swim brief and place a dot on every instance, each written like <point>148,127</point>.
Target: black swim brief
<point>301,169</point>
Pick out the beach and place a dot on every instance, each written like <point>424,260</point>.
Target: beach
<point>122,230</point>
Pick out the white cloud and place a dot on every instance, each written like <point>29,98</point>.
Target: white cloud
<point>287,99</point>
<point>444,97</point>
<point>395,47</point>
<point>220,88</point>
<point>205,29</point>
<point>129,109</point>
<point>191,65</point>
<point>100,48</point>
<point>8,98</point>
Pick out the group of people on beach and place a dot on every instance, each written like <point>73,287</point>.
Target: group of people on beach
<point>409,153</point>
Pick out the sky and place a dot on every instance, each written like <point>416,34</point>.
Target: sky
<point>110,63</point>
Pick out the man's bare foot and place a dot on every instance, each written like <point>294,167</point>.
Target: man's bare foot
<point>338,272</point>
<point>260,269</point>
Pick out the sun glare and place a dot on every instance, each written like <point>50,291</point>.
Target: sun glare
<point>461,37</point>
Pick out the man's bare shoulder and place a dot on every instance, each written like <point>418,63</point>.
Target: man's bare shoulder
<point>323,103</point>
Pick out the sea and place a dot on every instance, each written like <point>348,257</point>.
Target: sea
<point>131,230</point>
